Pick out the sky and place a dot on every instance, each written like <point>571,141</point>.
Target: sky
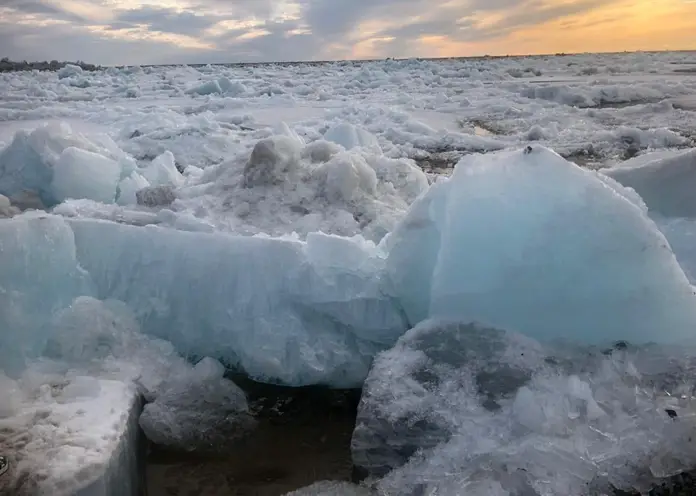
<point>115,32</point>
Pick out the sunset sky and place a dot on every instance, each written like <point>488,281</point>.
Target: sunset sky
<point>199,31</point>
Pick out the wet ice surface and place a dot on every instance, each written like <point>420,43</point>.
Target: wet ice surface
<point>183,158</point>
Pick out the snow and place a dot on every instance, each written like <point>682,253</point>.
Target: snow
<point>578,243</point>
<point>77,436</point>
<point>457,406</point>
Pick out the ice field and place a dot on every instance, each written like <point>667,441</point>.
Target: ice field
<point>522,323</point>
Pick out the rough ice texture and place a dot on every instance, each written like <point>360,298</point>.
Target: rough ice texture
<point>666,185</point>
<point>285,186</point>
<point>197,410</point>
<point>271,161</point>
<point>459,407</point>
<point>530,242</point>
<point>331,488</point>
<point>155,196</point>
<point>72,436</point>
<point>70,420</point>
<point>282,310</point>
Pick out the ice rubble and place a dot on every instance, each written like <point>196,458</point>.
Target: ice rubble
<point>197,410</point>
<point>286,186</point>
<point>57,164</point>
<point>74,369</point>
<point>529,242</point>
<point>666,185</point>
<point>458,407</point>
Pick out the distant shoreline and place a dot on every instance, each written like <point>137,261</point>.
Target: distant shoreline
<point>7,65</point>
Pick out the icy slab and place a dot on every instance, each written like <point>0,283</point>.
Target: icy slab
<point>459,407</point>
<point>681,234</point>
<point>197,410</point>
<point>83,174</point>
<point>530,242</point>
<point>75,437</point>
<point>282,310</point>
<point>666,185</point>
<point>331,488</point>
<point>39,275</point>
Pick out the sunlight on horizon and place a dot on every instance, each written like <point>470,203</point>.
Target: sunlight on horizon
<point>206,28</point>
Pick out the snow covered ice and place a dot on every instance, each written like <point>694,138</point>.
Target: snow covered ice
<point>460,407</point>
<point>293,222</point>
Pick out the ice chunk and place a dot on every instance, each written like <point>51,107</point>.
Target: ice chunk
<point>198,410</point>
<point>163,171</point>
<point>39,275</point>
<point>666,185</point>
<point>70,70</point>
<point>281,310</point>
<point>88,330</point>
<point>321,151</point>
<point>455,406</point>
<point>282,129</point>
<point>345,176</point>
<point>69,443</point>
<point>27,163</point>
<point>406,389</point>
<point>231,88</point>
<point>86,166</point>
<point>83,174</point>
<point>207,88</point>
<point>349,136</point>
<point>475,255</point>
<point>128,188</point>
<point>271,160</point>
<point>156,196</point>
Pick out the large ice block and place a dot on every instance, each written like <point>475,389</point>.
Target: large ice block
<point>280,309</point>
<point>666,184</point>
<point>530,242</point>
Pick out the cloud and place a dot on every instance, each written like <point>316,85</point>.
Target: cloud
<point>169,31</point>
<point>166,20</point>
<point>41,8</point>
